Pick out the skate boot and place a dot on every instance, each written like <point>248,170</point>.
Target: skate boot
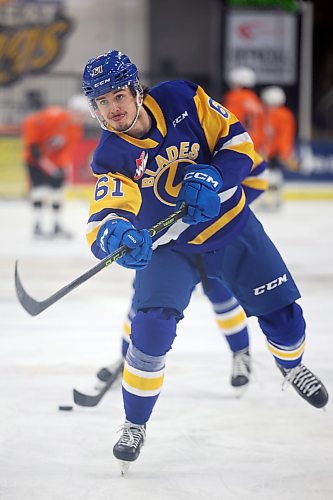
<point>308,386</point>
<point>38,232</point>
<point>241,370</point>
<point>128,447</point>
<point>110,374</point>
<point>59,232</point>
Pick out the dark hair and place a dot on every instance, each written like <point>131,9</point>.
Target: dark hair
<point>145,90</point>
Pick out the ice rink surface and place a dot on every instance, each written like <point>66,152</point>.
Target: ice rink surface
<point>202,443</point>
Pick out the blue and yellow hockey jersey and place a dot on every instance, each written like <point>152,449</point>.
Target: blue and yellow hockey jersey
<point>140,179</point>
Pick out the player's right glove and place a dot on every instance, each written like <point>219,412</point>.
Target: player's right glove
<point>117,232</point>
<point>199,193</point>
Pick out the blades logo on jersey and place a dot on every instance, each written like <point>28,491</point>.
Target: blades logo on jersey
<point>141,164</point>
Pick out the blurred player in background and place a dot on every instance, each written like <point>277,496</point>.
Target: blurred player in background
<point>280,133</point>
<point>244,103</point>
<point>49,137</point>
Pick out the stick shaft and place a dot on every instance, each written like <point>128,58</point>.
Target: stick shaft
<point>35,307</point>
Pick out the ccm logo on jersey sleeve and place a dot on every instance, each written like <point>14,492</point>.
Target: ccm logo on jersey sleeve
<point>271,285</point>
<point>179,118</point>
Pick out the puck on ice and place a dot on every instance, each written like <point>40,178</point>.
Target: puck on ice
<point>65,408</point>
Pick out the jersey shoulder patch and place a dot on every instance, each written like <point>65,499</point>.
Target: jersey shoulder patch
<point>216,106</point>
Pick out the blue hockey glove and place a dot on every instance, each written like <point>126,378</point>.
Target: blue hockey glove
<point>199,193</point>
<point>117,232</point>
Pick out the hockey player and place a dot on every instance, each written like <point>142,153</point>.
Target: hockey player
<point>49,137</point>
<point>244,103</point>
<point>280,133</point>
<point>229,315</point>
<point>162,148</point>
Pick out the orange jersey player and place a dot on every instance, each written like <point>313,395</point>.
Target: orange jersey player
<point>280,133</point>
<point>280,127</point>
<point>244,103</point>
<point>49,139</point>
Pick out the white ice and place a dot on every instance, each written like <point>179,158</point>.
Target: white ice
<point>202,443</point>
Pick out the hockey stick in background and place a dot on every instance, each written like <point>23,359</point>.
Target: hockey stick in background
<point>106,380</point>
<point>35,307</point>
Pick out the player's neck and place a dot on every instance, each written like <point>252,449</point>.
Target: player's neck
<point>142,126</point>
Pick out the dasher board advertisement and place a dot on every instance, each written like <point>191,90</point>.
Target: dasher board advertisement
<point>264,41</point>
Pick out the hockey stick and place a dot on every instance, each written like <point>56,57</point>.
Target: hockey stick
<point>35,307</point>
<point>82,399</point>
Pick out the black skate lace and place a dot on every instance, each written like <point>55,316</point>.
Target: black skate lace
<point>132,434</point>
<point>302,378</point>
<point>240,364</point>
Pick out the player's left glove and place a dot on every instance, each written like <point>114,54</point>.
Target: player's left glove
<point>199,193</point>
<point>117,232</point>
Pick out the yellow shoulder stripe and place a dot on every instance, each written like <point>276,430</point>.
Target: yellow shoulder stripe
<point>256,183</point>
<point>213,124</point>
<point>157,112</point>
<point>257,159</point>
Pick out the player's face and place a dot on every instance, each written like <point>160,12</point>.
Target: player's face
<point>118,108</point>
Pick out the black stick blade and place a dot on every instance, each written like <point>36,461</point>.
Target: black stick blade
<point>32,306</point>
<point>91,400</point>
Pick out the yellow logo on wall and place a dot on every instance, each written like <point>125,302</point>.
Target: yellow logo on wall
<point>32,37</point>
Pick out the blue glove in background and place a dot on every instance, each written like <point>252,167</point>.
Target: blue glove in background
<point>117,232</point>
<point>199,193</point>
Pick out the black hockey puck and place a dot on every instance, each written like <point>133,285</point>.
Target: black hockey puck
<point>65,408</point>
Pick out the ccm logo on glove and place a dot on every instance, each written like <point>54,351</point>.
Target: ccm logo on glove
<point>101,241</point>
<point>199,192</point>
<point>201,176</point>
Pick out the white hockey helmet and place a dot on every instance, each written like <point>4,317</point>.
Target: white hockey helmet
<point>78,103</point>
<point>273,96</point>
<point>242,77</point>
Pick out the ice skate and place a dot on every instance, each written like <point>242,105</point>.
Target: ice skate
<point>124,466</point>
<point>39,233</point>
<point>308,386</point>
<point>241,370</point>
<point>59,232</point>
<point>104,374</point>
<point>128,447</point>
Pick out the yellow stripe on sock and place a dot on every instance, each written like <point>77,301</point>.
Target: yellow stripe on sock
<point>146,382</point>
<point>233,321</point>
<point>287,355</point>
<point>127,328</point>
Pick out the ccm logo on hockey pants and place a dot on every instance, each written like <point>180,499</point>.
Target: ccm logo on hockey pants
<point>271,285</point>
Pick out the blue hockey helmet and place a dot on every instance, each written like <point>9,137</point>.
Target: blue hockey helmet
<point>108,72</point>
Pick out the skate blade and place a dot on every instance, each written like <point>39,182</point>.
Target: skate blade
<point>99,386</point>
<point>240,390</point>
<point>124,466</point>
